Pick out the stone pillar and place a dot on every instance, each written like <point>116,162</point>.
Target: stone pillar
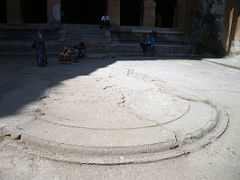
<point>235,48</point>
<point>237,33</point>
<point>54,11</point>
<point>14,12</point>
<point>148,8</point>
<point>180,17</point>
<point>190,7</point>
<point>113,10</point>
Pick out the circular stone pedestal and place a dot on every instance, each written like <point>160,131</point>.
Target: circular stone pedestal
<point>95,120</point>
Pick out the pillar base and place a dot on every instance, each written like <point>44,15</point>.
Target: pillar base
<point>149,7</point>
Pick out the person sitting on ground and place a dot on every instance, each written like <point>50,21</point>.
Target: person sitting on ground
<point>76,53</point>
<point>105,22</point>
<point>82,49</point>
<point>150,42</point>
<point>143,43</point>
<point>66,55</point>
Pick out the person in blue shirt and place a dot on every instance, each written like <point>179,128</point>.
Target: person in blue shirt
<point>150,40</point>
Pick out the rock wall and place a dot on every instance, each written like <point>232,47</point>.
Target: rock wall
<point>208,30</point>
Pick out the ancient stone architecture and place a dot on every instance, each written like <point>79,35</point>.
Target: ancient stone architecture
<point>219,18</point>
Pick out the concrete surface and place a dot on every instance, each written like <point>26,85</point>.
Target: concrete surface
<point>232,62</point>
<point>162,118</point>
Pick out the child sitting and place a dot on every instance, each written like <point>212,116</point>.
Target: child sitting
<point>76,52</point>
<point>82,49</point>
<point>66,55</point>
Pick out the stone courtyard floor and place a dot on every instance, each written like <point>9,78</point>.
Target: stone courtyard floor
<point>120,118</point>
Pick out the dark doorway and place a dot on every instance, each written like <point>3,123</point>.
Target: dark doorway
<point>130,12</point>
<point>83,11</point>
<point>3,11</point>
<point>165,10</point>
<point>35,11</point>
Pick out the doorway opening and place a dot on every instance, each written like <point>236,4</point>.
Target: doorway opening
<point>165,12</point>
<point>35,11</point>
<point>130,12</point>
<point>3,11</point>
<point>83,12</point>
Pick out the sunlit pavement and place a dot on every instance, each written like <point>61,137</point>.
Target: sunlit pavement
<point>150,118</point>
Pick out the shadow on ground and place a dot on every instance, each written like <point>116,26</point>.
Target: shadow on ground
<point>22,82</point>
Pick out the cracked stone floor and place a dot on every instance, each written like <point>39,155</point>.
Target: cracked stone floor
<point>119,118</point>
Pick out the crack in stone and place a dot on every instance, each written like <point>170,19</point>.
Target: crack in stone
<point>4,136</point>
<point>98,129</point>
<point>173,92</point>
<point>215,90</point>
<point>107,87</point>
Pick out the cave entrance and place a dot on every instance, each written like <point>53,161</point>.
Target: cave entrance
<point>130,12</point>
<point>83,12</point>
<point>35,11</point>
<point>165,13</point>
<point>3,11</point>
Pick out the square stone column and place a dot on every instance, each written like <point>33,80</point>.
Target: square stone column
<point>148,8</point>
<point>113,11</point>
<point>14,12</point>
<point>237,32</point>
<point>235,45</point>
<point>54,11</point>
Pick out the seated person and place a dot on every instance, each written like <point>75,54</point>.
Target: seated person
<point>66,55</point>
<point>150,42</point>
<point>143,43</point>
<point>76,52</point>
<point>82,49</point>
<point>105,22</point>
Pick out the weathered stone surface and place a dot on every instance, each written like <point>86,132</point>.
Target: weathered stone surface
<point>208,28</point>
<point>220,160</point>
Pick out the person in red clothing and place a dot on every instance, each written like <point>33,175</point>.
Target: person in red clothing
<point>66,55</point>
<point>82,49</point>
